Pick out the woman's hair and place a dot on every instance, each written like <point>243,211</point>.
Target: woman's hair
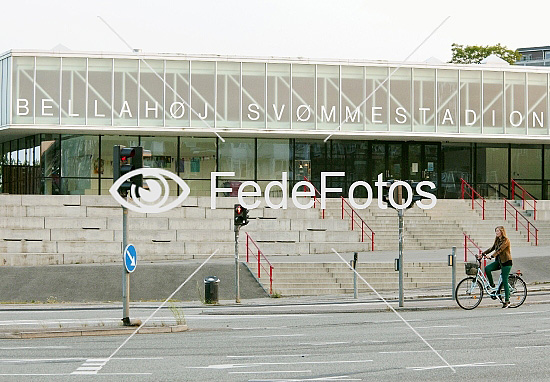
<point>502,230</point>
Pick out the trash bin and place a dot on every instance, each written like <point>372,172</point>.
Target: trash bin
<point>211,289</point>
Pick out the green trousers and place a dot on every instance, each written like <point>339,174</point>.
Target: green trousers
<point>505,272</point>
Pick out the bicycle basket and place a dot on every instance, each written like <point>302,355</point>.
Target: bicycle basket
<point>471,268</point>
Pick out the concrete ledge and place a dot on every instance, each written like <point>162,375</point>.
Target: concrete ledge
<point>92,332</point>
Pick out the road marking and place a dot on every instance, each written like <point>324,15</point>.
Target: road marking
<point>242,365</point>
<point>91,366</point>
<point>269,372</point>
<point>532,347</point>
<point>275,335</point>
<point>477,364</point>
<point>24,360</point>
<point>405,351</point>
<point>335,378</point>
<point>269,356</point>
<point>261,328</point>
<point>440,326</point>
<point>35,347</point>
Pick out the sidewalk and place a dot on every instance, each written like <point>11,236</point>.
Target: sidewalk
<point>420,300</point>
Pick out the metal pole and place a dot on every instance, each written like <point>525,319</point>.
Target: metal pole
<point>237,290</point>
<point>125,274</point>
<point>401,263</point>
<point>453,254</point>
<point>354,275</point>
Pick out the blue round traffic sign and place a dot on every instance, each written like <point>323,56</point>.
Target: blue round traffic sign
<point>130,258</point>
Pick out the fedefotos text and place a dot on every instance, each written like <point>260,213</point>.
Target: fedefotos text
<point>306,189</point>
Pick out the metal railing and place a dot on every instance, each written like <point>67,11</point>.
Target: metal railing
<point>468,239</point>
<point>353,214</point>
<point>521,220</point>
<point>466,189</point>
<point>253,249</point>
<point>525,196</point>
<point>315,200</point>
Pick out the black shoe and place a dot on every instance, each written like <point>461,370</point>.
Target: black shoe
<point>505,304</point>
<point>494,297</point>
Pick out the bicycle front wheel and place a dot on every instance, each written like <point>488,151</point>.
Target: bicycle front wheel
<point>518,291</point>
<point>469,293</point>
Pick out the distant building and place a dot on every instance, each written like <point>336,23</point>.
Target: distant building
<point>535,56</point>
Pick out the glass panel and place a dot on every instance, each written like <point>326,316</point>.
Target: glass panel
<point>273,158</point>
<point>177,93</point>
<point>309,161</point>
<point>23,90</point>
<point>350,157</point>
<point>197,159</point>
<point>492,170</point>
<point>328,97</point>
<point>378,161</point>
<point>228,94</point>
<point>73,91</point>
<point>457,164</point>
<point>80,156</point>
<point>203,83</point>
<point>47,90</point>
<point>377,102</point>
<point>278,96</point>
<point>50,161</point>
<point>447,101</point>
<point>526,163</point>
<point>303,97</point>
<point>164,154</point>
<point>99,91</point>
<point>493,103</point>
<point>151,93</point>
<point>253,108</point>
<point>107,143</point>
<point>126,93</point>
<point>395,155</point>
<point>237,155</point>
<point>515,103</point>
<point>400,100</point>
<point>537,93</point>
<point>415,162</point>
<point>470,101</point>
<point>353,95</point>
<point>424,100</point>
<point>3,98</point>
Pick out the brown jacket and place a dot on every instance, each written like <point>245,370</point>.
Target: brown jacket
<point>502,249</point>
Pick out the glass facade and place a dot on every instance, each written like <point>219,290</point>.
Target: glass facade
<point>416,122</point>
<point>232,94</point>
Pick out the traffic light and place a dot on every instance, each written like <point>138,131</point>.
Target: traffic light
<point>240,215</point>
<point>126,159</point>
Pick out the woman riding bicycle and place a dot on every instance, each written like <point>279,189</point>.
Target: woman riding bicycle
<point>502,253</point>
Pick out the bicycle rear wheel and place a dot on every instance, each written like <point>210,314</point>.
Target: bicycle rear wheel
<point>518,291</point>
<point>469,293</point>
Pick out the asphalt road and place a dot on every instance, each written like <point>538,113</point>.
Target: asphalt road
<point>310,345</point>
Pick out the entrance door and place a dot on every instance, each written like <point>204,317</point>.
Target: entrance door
<point>423,162</point>
<point>387,159</point>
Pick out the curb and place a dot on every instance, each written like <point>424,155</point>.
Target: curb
<point>92,332</point>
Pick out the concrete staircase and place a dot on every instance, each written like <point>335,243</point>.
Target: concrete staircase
<point>299,279</point>
<point>38,230</point>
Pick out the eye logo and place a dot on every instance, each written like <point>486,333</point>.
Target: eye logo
<point>152,198</point>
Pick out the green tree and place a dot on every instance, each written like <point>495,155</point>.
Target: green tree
<point>473,54</point>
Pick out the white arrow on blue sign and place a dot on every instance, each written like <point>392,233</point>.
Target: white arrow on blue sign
<point>130,258</point>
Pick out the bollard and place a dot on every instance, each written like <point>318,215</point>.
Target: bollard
<point>452,263</point>
<point>353,264</point>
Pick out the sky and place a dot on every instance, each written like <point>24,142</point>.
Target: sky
<point>346,29</point>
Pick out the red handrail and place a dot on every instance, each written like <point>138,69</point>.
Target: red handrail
<point>466,249</point>
<point>315,201</point>
<point>525,193</point>
<point>352,215</point>
<point>259,255</point>
<point>467,189</point>
<point>518,215</point>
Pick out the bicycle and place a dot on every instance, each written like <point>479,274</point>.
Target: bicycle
<point>469,291</point>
